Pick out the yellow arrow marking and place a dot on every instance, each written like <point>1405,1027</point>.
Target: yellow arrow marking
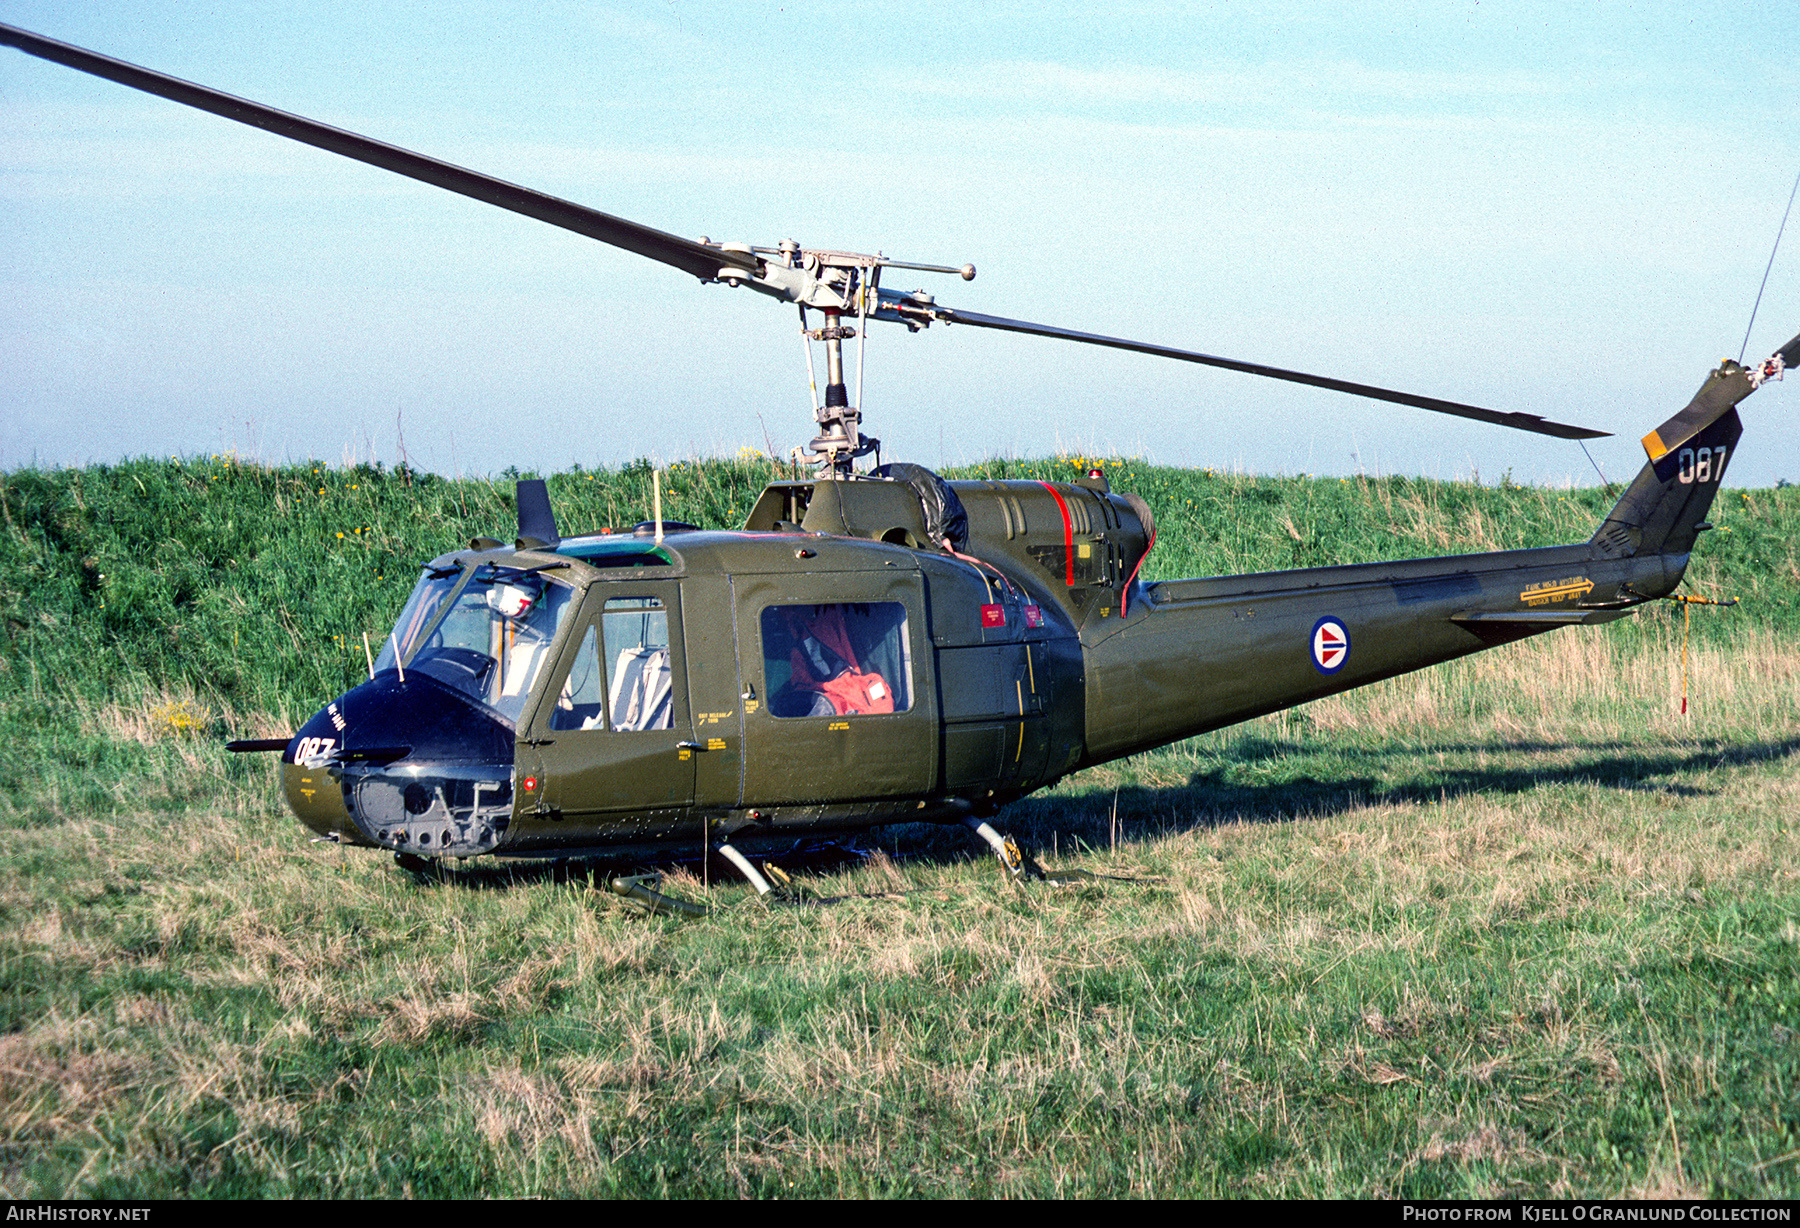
<point>1557,590</point>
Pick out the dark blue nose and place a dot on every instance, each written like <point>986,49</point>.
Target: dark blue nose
<point>422,768</point>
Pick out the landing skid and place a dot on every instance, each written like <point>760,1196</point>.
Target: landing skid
<point>1020,867</point>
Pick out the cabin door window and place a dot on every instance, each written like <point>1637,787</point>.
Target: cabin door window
<point>611,736</point>
<point>836,659</point>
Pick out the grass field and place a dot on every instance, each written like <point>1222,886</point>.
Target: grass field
<point>1515,926</point>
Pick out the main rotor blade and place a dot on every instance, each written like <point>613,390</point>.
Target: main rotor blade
<point>702,261</point>
<point>1522,422</point>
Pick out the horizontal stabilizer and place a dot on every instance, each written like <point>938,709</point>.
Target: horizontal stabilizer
<point>1537,618</point>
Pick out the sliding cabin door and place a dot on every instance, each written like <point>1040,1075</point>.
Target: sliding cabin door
<point>839,701</point>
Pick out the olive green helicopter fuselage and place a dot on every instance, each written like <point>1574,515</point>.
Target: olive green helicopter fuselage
<point>966,674</point>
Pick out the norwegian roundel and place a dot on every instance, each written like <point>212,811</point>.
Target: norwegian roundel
<point>1330,645</point>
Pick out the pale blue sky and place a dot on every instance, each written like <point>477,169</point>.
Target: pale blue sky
<point>1559,209</point>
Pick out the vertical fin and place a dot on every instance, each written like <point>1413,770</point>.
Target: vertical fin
<point>1662,510</point>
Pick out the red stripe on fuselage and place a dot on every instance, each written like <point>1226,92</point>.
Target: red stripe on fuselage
<point>1068,535</point>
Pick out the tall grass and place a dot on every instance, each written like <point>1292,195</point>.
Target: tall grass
<point>1515,926</point>
<point>1348,953</point>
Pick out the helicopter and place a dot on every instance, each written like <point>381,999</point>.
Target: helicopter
<point>876,645</point>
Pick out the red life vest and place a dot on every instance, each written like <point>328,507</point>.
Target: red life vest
<point>854,691</point>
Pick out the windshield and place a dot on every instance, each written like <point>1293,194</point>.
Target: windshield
<point>486,631</point>
<point>427,595</point>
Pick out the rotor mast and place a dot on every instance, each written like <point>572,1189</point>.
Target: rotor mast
<point>841,286</point>
<point>840,439</point>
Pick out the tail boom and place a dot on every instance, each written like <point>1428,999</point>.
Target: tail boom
<point>1201,654</point>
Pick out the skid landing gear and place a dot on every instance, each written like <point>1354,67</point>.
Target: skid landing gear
<point>641,889</point>
<point>433,869</point>
<point>763,886</point>
<point>781,891</point>
<point>1014,862</point>
<point>1017,865</point>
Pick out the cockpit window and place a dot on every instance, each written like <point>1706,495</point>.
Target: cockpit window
<point>488,638</point>
<point>633,689</point>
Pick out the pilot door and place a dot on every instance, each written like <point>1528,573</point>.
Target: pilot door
<point>839,703</point>
<point>611,738</point>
